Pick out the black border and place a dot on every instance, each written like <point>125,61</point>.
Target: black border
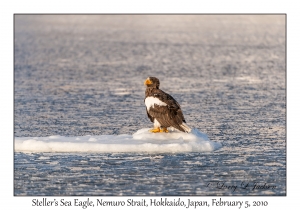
<point>267,14</point>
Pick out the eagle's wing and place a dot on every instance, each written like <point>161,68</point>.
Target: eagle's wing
<point>149,116</point>
<point>171,102</point>
<point>167,116</point>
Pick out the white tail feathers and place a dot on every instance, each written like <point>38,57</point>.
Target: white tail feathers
<point>185,127</point>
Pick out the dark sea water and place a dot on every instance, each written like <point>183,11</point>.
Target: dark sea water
<point>83,75</point>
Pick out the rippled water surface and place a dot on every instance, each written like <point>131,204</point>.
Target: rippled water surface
<point>83,75</point>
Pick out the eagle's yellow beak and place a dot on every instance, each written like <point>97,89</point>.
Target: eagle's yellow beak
<point>147,82</point>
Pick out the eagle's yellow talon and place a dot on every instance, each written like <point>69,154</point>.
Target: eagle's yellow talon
<point>155,130</point>
<point>164,130</point>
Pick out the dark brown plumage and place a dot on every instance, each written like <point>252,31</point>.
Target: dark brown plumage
<point>162,109</point>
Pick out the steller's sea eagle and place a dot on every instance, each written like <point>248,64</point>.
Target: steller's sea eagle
<point>162,109</point>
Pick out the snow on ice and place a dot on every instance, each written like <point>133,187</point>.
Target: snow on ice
<point>141,141</point>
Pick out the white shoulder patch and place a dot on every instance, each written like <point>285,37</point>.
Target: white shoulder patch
<point>150,101</point>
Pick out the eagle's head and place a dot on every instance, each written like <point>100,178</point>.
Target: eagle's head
<point>152,82</point>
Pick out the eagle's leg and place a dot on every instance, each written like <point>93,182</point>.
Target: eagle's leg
<point>156,126</point>
<point>164,130</point>
<point>155,130</point>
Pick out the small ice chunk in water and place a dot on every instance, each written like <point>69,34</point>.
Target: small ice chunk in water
<point>140,141</point>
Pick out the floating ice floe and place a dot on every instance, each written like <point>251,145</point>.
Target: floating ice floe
<point>141,141</point>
